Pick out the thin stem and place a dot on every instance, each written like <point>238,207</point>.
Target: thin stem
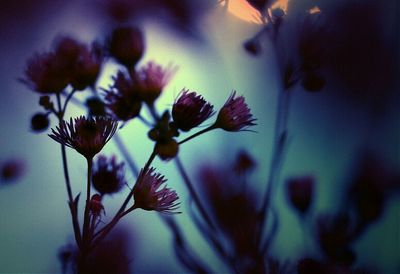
<point>193,193</point>
<point>122,148</point>
<point>72,205</point>
<point>144,121</point>
<point>198,133</point>
<point>121,211</point>
<point>86,220</point>
<point>69,96</point>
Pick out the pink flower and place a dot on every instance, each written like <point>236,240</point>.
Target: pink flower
<point>148,196</point>
<point>190,110</point>
<point>235,115</point>
<point>151,80</point>
<point>87,136</point>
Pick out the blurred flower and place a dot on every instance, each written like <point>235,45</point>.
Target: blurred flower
<point>300,192</point>
<point>126,45</point>
<point>96,207</point>
<point>45,74</point>
<point>313,81</point>
<point>244,163</point>
<point>123,98</point>
<point>335,233</point>
<point>86,135</point>
<point>87,67</point>
<point>148,196</point>
<point>235,115</point>
<point>108,175</point>
<point>253,46</point>
<point>96,106</point>
<point>12,169</point>
<point>260,5</point>
<point>190,110</point>
<point>39,122</point>
<point>151,80</point>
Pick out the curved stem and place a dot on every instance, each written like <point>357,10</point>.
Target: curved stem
<point>122,148</point>
<point>69,96</point>
<point>198,133</point>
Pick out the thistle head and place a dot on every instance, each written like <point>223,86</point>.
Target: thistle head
<point>190,110</point>
<point>149,196</point>
<point>234,115</point>
<point>151,80</point>
<point>87,136</point>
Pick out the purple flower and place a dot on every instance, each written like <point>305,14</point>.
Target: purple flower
<point>122,99</point>
<point>108,175</point>
<point>151,80</point>
<point>148,196</point>
<point>235,115</point>
<point>86,135</point>
<point>190,110</point>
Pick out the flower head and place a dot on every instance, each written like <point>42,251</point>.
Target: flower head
<point>151,80</point>
<point>96,207</point>
<point>108,175</point>
<point>190,110</point>
<point>235,115</point>
<point>300,192</point>
<point>45,74</point>
<point>148,196</point>
<point>122,98</point>
<point>126,45</point>
<point>86,135</point>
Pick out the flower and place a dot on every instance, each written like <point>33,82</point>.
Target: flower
<point>45,74</point>
<point>126,45</point>
<point>244,163</point>
<point>190,110</point>
<point>148,196</point>
<point>12,169</point>
<point>87,67</point>
<point>108,175</point>
<point>234,115</point>
<point>86,135</point>
<point>122,98</point>
<point>300,192</point>
<point>151,80</point>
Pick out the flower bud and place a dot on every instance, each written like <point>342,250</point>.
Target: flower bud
<point>126,45</point>
<point>39,122</point>
<point>300,192</point>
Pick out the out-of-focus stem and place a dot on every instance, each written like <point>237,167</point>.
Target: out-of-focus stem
<point>193,193</point>
<point>122,148</point>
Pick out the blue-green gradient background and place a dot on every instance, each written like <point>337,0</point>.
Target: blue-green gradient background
<point>326,132</point>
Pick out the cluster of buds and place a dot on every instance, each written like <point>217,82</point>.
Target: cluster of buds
<point>164,134</point>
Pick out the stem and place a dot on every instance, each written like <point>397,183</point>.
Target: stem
<point>193,193</point>
<point>72,205</point>
<point>69,96</point>
<point>121,212</point>
<point>198,133</point>
<point>122,148</point>
<point>86,220</point>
